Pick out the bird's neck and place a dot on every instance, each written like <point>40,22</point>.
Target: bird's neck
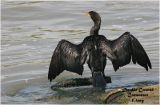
<point>95,29</point>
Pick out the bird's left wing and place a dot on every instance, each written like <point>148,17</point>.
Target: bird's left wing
<point>66,56</point>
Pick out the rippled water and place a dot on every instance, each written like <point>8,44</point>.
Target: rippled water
<point>31,31</point>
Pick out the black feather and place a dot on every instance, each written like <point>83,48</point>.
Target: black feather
<point>127,47</point>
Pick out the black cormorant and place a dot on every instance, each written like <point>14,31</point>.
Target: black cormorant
<point>71,57</point>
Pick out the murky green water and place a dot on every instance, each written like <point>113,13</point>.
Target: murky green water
<point>31,31</point>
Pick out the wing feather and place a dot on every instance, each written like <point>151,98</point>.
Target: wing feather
<point>125,48</point>
<point>139,55</point>
<point>66,56</point>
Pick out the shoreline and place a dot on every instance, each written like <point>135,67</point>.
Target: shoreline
<point>140,93</point>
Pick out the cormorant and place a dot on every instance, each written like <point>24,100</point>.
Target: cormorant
<point>71,57</point>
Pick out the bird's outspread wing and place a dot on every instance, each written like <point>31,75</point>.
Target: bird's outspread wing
<point>125,48</point>
<point>66,56</point>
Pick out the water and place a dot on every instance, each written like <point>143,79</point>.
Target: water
<point>31,31</point>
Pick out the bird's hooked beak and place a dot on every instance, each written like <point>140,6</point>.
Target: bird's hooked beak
<point>87,14</point>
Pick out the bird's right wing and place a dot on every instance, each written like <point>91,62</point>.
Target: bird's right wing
<point>125,48</point>
<point>66,56</point>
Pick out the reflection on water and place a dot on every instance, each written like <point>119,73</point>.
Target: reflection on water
<point>31,31</point>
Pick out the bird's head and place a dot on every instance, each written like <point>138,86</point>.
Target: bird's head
<point>94,16</point>
<point>97,22</point>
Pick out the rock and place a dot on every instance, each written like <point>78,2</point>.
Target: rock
<point>77,82</point>
<point>135,95</point>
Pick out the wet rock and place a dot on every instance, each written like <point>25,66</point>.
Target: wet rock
<point>77,82</point>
